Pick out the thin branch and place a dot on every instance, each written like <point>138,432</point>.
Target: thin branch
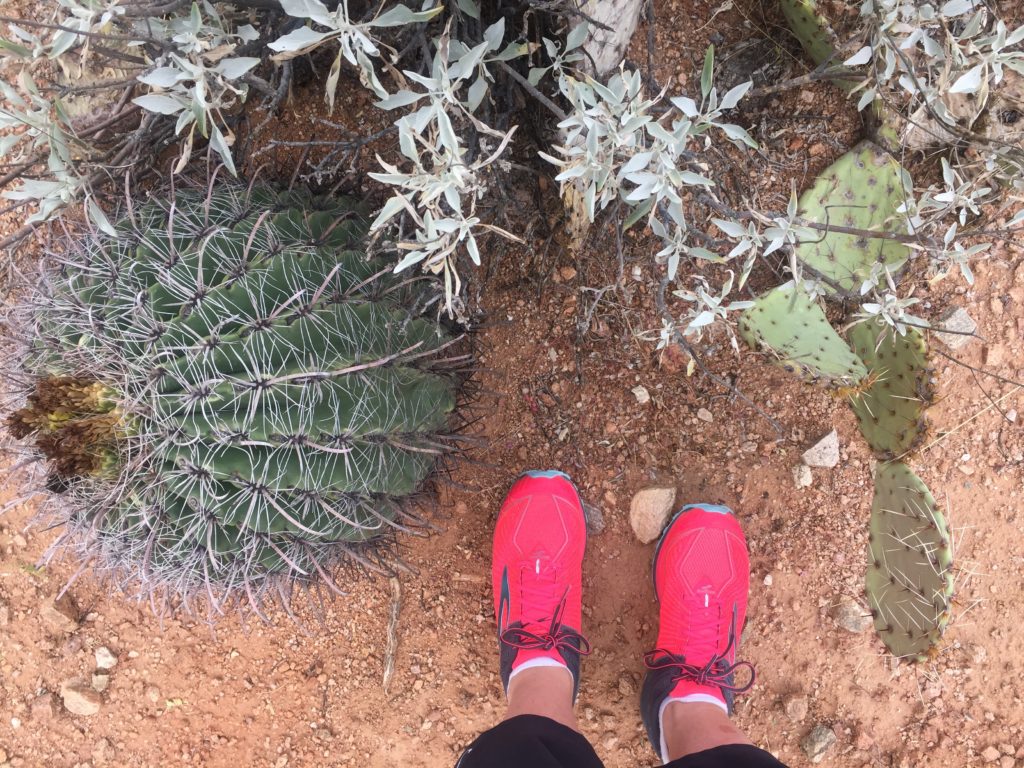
<point>525,84</point>
<point>162,44</point>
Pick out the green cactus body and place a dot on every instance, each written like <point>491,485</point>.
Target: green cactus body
<point>910,564</point>
<point>816,36</point>
<point>890,410</point>
<point>271,396</point>
<point>810,28</point>
<point>793,327</point>
<point>862,190</point>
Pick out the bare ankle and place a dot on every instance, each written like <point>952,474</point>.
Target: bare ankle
<point>689,727</point>
<point>543,691</point>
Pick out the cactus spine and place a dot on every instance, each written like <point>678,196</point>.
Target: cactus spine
<point>235,396</point>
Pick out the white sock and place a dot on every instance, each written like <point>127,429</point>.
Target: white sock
<point>705,698</point>
<point>540,661</point>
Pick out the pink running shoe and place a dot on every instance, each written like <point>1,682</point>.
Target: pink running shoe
<point>537,575</point>
<point>701,579</point>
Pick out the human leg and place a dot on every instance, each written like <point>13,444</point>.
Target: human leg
<point>537,566</point>
<point>701,576</point>
<point>544,691</point>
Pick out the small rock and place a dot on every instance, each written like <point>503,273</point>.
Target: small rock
<point>816,743</point>
<point>567,273</point>
<point>60,615</point>
<point>795,706</point>
<point>1007,762</point>
<point>960,323</point>
<point>595,518</point>
<point>705,415</point>
<point>649,511</point>
<point>19,541</point>
<point>100,682</point>
<point>995,354</point>
<point>100,751</point>
<point>802,477</point>
<point>627,686</point>
<point>863,742</point>
<point>824,453</point>
<point>768,580</point>
<point>44,708</point>
<point>3,755</point>
<point>80,698</point>
<point>991,754</point>
<point>641,394</point>
<point>849,615</point>
<point>72,645</point>
<point>5,613</point>
<point>976,653</point>
<point>105,658</point>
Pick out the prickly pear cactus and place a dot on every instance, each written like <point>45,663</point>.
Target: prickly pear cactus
<point>910,564</point>
<point>890,410</point>
<point>861,190</point>
<point>792,326</point>
<point>810,28</point>
<point>234,396</point>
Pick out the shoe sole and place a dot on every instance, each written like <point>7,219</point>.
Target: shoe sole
<point>720,509</point>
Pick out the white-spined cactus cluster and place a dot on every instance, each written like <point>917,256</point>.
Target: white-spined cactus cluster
<point>234,396</point>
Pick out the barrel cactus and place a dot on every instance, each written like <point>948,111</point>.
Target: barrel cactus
<point>234,397</point>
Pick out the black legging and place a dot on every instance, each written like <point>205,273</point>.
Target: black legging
<point>531,741</point>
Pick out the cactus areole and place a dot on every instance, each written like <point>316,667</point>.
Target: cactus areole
<point>234,397</point>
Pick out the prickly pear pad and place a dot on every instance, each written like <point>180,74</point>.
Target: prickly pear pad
<point>793,327</point>
<point>890,410</point>
<point>862,190</point>
<point>910,564</point>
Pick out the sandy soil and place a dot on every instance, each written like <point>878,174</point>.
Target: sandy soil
<point>559,357</point>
